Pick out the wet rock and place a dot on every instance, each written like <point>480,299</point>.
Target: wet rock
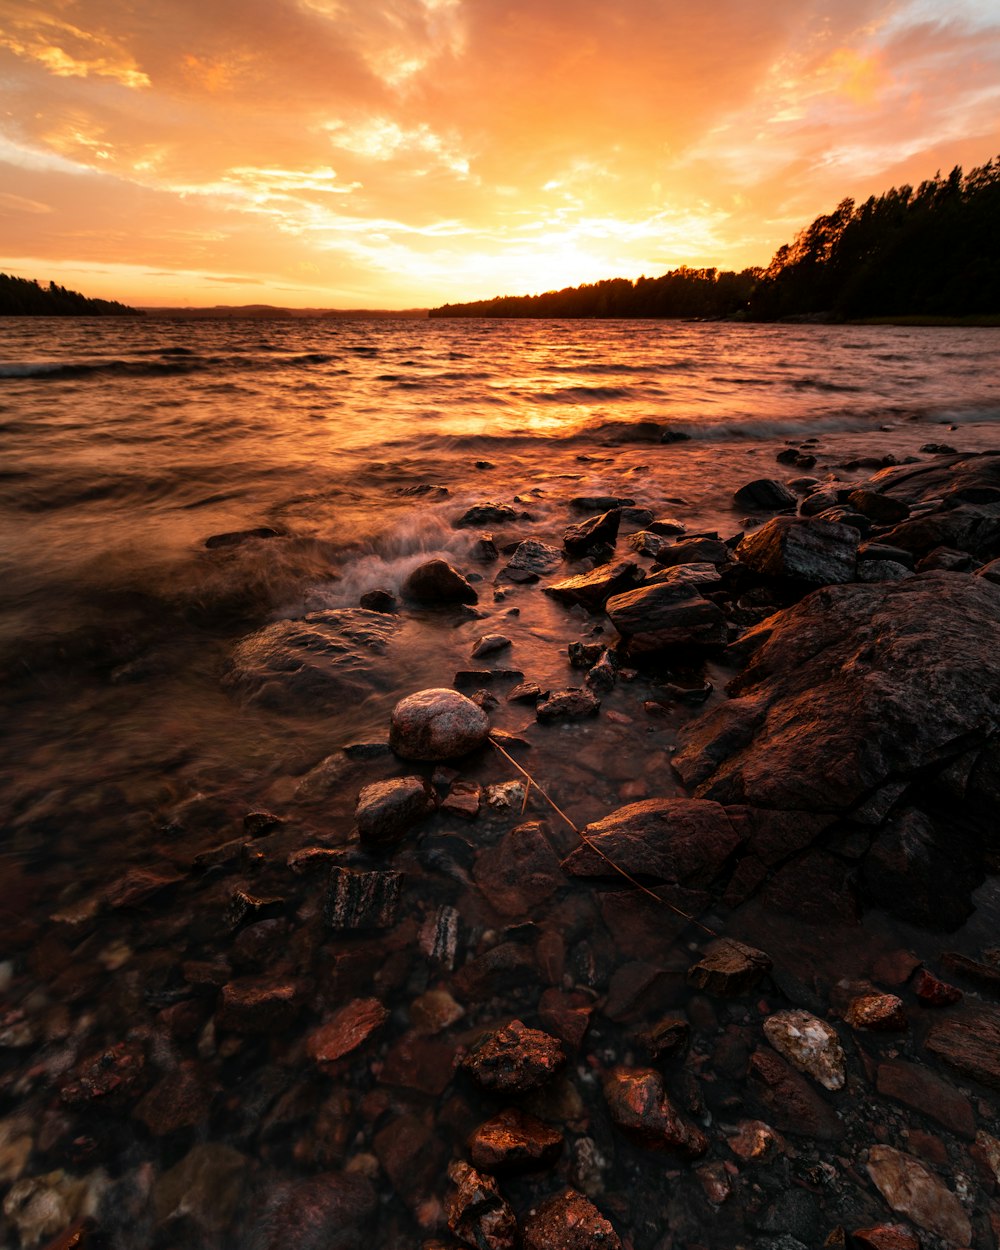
<point>639,1106</point>
<point>569,1221</point>
<point>668,1039</point>
<point>665,614</point>
<point>920,873</point>
<point>434,1012</point>
<point>484,550</point>
<point>463,799</point>
<point>971,529</point>
<point>487,514</point>
<point>258,1005</point>
<point>881,571</point>
<point>490,644</point>
<point>514,1141</point>
<point>16,1145</point>
<point>573,703</point>
<point>911,1190</point>
<point>514,1059</point>
<point>695,550</point>
<point>411,1156</point>
<point>109,1075</point>
<point>595,588</point>
<point>477,1213</point>
<point>525,692</point>
<point>321,660</point>
<point>599,503</point>
<point>520,872</point>
<point>496,971</point>
<point>388,810</point>
<point>137,886</point>
<point>818,501</point>
<point>813,551</point>
<point>604,673</point>
<point>886,1237</point>
<point>566,1015</point>
<point>917,1087</point>
<point>40,1206</point>
<point>362,900</point>
<point>810,1044</point>
<point>584,655</point>
<point>968,1041</point>
<point>646,543</point>
<point>985,975</point>
<point>437,582</point>
<point>764,495</point>
<point>437,724</point>
<point>247,908</point>
<point>331,1211</point>
<point>932,992</point>
<point>206,1187</point>
<point>378,601</point>
<point>788,1101</point>
<point>756,1142</point>
<point>882,509</point>
<point>729,968</point>
<point>677,840</point>
<point>181,1099</point>
<point>346,1030</point>
<point>236,538</point>
<point>668,526</point>
<point>853,687</point>
<point>881,1012</point>
<point>256,824</point>
<point>579,539</point>
<point>439,936</point>
<point>530,560</point>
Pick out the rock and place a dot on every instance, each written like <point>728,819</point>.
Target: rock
<point>434,1012</point>
<point>579,539</point>
<point>675,840</point>
<point>812,551</point>
<point>109,1076</point>
<point>346,1030</point>
<point>566,1015</point>
<point>882,509</point>
<point>362,900</point>
<point>639,1106</point>
<point>646,543</point>
<point>969,1042</point>
<point>668,1039</point>
<point>764,495</point>
<point>604,673</point>
<point>437,724</point>
<point>236,538</point>
<point>484,550</point>
<point>514,1141</point>
<point>437,582</point>
<point>694,551</point>
<point>788,1101</point>
<point>756,1142</point>
<point>881,571</point>
<point>885,1237</point>
<point>882,1012</point>
<point>378,601</point>
<point>569,1221</point>
<point>932,992</point>
<point>323,659</point>
<point>852,688</point>
<point>520,872</point>
<point>486,514</point>
<point>412,1157</point>
<point>810,1044</point>
<point>910,1189</point>
<point>258,1005</point>
<point>490,644</point>
<point>668,526</point>
<point>497,970</point>
<point>729,968</point>
<point>599,503</point>
<point>595,588</point>
<point>531,559</point>
<point>818,501</point>
<point>584,655</point>
<point>327,1212</point>
<point>666,614</point>
<point>985,975</point>
<point>572,703</point>
<point>206,1187</point>
<point>388,810</point>
<point>477,1214</point>
<point>917,1087</point>
<point>514,1059</point>
<point>463,799</point>
<point>181,1099</point>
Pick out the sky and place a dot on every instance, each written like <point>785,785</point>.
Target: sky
<point>404,153</point>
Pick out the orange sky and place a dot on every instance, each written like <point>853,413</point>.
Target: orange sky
<point>390,153</point>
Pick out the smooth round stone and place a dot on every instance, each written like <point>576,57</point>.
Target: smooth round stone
<point>437,725</point>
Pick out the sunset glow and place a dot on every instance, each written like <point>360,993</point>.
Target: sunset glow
<point>396,153</point>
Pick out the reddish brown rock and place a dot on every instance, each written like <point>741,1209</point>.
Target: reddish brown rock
<point>181,1099</point>
<point>756,1142</point>
<point>434,1011</point>
<point>729,968</point>
<point>911,1190</point>
<point>514,1142</point>
<point>969,1042</point>
<point>789,1101</point>
<point>411,1156</point>
<point>520,872</point>
<point>477,1214</point>
<point>138,885</point>
<point>667,613</point>
<point>597,530</point>
<point>922,1090</point>
<point>109,1075</point>
<point>252,1005</point>
<point>881,1012</point>
<point>437,724</point>
<point>362,900</point>
<point>437,582</point>
<point>569,1221</point>
<point>639,1106</point>
<point>592,590</point>
<point>514,1059</point>
<point>566,1015</point>
<point>886,1237</point>
<point>573,703</point>
<point>463,799</point>
<point>421,1063</point>
<point>668,1039</point>
<point>346,1030</point>
<point>387,810</point>
<point>934,993</point>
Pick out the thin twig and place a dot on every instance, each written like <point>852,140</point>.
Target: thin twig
<point>592,844</point>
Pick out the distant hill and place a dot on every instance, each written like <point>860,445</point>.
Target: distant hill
<point>271,312</point>
<point>930,254</point>
<point>23,297</point>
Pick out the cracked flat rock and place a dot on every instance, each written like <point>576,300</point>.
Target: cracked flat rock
<point>911,1190</point>
<point>810,1044</point>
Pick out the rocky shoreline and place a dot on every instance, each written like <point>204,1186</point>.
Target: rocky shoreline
<point>460,1020</point>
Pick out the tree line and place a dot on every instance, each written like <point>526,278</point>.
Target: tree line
<point>25,297</point>
<point>929,252</point>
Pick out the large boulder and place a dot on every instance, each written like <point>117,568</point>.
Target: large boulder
<point>667,613</point>
<point>808,550</point>
<point>851,694</point>
<point>437,724</point>
<point>323,659</point>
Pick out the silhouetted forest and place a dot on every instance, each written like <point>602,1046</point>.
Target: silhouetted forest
<point>21,297</point>
<point>930,252</point>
